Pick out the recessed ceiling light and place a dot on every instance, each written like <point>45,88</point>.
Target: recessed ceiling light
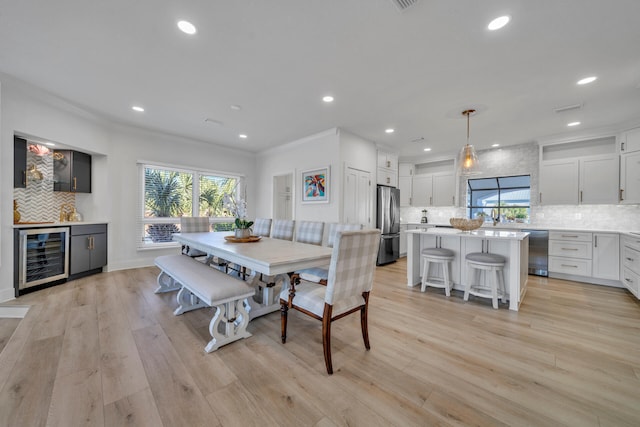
<point>495,145</point>
<point>499,22</point>
<point>236,107</point>
<point>427,149</point>
<point>138,109</point>
<point>242,136</point>
<point>573,124</point>
<point>50,144</point>
<point>587,80</point>
<point>389,130</point>
<point>327,98</point>
<point>187,27</point>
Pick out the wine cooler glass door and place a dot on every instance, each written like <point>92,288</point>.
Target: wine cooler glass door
<point>44,256</point>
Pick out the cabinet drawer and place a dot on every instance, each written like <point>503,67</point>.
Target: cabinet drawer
<point>631,259</point>
<point>78,230</point>
<point>631,281</point>
<point>570,236</point>
<point>632,242</point>
<point>570,249</point>
<point>578,267</point>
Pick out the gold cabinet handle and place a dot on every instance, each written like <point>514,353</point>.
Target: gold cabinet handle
<point>75,182</point>
<point>24,178</point>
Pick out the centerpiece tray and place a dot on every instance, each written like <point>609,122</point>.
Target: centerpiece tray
<point>234,239</point>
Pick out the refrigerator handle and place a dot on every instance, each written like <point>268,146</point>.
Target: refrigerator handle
<point>393,211</point>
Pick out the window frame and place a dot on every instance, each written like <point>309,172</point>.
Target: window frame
<point>499,190</point>
<point>196,173</point>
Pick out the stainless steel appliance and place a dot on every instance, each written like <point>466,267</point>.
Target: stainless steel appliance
<point>538,252</point>
<point>424,219</point>
<point>388,221</point>
<point>43,257</point>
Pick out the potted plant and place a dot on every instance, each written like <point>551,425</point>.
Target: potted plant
<point>238,208</point>
<point>521,217</point>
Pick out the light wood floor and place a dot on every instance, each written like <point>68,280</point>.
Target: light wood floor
<point>106,351</point>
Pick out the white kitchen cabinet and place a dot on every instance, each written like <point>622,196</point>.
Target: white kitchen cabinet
<point>387,169</point>
<point>559,182</point>
<point>403,239</point>
<point>422,190</point>
<point>405,169</point>
<point>606,256</point>
<point>437,189</point>
<point>570,253</point>
<point>599,177</point>
<point>588,180</point>
<point>405,184</point>
<point>630,178</point>
<point>630,141</point>
<point>630,265</point>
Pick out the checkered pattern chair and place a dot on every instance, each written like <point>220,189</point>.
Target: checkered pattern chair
<point>320,274</point>
<point>353,262</point>
<point>262,227</point>
<point>310,232</point>
<point>197,224</point>
<point>282,229</point>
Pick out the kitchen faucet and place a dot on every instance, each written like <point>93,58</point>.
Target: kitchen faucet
<point>495,216</point>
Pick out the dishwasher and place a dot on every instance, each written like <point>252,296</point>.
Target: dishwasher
<point>538,252</point>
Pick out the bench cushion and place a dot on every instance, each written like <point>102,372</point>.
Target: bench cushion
<point>209,284</point>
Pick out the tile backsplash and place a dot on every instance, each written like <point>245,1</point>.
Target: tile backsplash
<point>38,202</point>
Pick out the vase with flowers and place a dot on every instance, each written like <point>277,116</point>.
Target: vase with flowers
<point>236,204</point>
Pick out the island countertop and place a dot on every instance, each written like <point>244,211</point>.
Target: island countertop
<point>478,234</point>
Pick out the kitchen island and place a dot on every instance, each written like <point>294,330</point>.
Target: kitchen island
<point>513,245</point>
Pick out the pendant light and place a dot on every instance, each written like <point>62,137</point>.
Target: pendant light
<point>468,159</point>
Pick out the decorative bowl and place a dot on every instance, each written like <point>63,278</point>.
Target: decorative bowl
<point>465,224</point>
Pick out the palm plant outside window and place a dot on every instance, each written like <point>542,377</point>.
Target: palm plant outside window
<point>510,196</point>
<point>169,193</point>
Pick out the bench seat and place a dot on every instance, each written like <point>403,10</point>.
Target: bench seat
<point>203,286</point>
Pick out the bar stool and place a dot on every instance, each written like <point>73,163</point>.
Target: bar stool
<point>478,262</point>
<point>437,256</point>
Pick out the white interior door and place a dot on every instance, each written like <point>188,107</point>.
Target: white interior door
<point>282,196</point>
<point>357,197</point>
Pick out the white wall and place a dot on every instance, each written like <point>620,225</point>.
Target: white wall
<point>116,149</point>
<point>315,151</point>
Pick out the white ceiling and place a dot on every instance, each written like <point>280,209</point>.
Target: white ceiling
<point>414,71</point>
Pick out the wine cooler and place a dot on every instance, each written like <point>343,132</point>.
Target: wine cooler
<point>43,257</point>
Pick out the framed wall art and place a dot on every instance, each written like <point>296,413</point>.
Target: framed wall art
<point>315,185</point>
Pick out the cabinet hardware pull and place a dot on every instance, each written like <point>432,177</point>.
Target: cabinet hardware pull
<point>629,259</point>
<point>540,197</point>
<point>24,177</point>
<point>453,200</point>
<point>430,200</point>
<point>75,182</point>
<point>570,235</point>
<point>596,241</point>
<point>388,163</point>
<point>580,196</point>
<point>628,280</point>
<point>567,265</point>
<point>621,190</point>
<point>622,146</point>
<point>569,249</point>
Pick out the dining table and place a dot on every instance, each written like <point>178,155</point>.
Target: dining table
<point>264,257</point>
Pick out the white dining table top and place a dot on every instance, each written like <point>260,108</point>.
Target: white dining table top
<point>267,256</point>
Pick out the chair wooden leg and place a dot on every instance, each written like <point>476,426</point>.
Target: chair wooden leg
<point>364,312</point>
<point>326,337</point>
<point>284,309</point>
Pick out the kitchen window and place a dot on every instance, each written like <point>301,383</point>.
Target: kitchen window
<point>168,193</point>
<point>510,196</point>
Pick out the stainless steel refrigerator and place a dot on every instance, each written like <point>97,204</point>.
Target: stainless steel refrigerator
<point>388,221</point>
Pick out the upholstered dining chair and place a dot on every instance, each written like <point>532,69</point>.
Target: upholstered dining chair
<point>320,274</point>
<point>353,262</point>
<point>282,229</point>
<point>198,224</point>
<point>262,227</point>
<point>310,232</point>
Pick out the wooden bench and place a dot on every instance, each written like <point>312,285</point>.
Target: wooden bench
<point>203,286</point>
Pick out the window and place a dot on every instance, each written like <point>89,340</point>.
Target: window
<point>169,193</point>
<point>510,197</point>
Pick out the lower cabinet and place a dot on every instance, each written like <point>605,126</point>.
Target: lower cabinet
<point>630,264</point>
<point>403,239</point>
<point>88,248</point>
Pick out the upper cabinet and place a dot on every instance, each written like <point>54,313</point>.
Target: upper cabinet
<point>434,184</point>
<point>19,162</point>
<point>387,169</point>
<point>405,183</point>
<point>581,172</point>
<point>630,167</point>
<point>71,171</point>
<point>630,141</point>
